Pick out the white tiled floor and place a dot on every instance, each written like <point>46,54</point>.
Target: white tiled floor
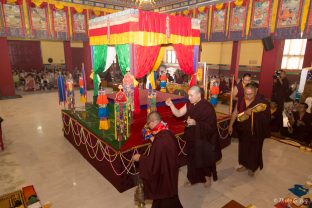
<point>37,153</point>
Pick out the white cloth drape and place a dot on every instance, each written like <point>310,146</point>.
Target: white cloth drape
<point>111,55</point>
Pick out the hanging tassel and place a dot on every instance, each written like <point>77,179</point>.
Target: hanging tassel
<point>104,124</point>
<point>61,89</point>
<point>116,114</point>
<point>83,99</point>
<point>252,123</point>
<point>136,99</point>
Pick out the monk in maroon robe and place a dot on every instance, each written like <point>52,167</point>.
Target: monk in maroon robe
<point>159,170</point>
<point>202,138</point>
<point>301,125</point>
<point>238,91</point>
<point>253,127</point>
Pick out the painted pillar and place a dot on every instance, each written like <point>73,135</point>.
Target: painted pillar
<point>307,60</point>
<point>235,59</point>
<point>68,57</point>
<point>271,61</point>
<point>6,79</point>
<point>87,63</point>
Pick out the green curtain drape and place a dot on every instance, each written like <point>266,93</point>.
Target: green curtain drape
<point>123,54</point>
<point>99,62</point>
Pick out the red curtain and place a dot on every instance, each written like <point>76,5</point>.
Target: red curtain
<point>184,53</point>
<point>145,59</point>
<point>185,56</point>
<point>175,26</point>
<point>152,22</point>
<point>136,100</point>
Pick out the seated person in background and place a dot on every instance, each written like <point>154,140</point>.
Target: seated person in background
<point>16,79</point>
<point>38,79</point>
<point>22,76</point>
<point>299,125</point>
<point>178,77</point>
<point>44,82</point>
<point>169,78</point>
<point>276,117</point>
<point>51,79</point>
<point>223,85</point>
<point>30,83</point>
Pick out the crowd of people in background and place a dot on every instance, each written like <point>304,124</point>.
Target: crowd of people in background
<point>282,103</point>
<point>34,80</point>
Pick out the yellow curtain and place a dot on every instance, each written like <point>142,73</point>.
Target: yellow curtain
<point>158,61</point>
<point>59,6</point>
<point>97,12</point>
<point>11,1</point>
<point>37,2</point>
<point>79,9</point>
<point>201,9</point>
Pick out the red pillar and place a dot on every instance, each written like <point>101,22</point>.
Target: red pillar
<point>235,59</point>
<point>307,60</point>
<point>68,57</point>
<point>87,63</point>
<point>6,78</point>
<point>271,61</point>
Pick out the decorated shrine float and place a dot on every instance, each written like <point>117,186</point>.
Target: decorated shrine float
<point>109,134</point>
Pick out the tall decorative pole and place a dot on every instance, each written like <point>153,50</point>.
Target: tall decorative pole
<point>102,101</point>
<point>70,93</point>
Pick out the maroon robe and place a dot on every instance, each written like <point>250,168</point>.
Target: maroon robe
<point>240,90</point>
<point>159,171</point>
<point>302,133</point>
<point>251,138</point>
<point>240,93</point>
<point>202,142</point>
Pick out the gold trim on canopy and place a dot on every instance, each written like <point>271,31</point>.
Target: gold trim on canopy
<point>143,38</point>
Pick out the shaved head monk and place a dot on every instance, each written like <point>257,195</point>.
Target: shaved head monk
<point>159,170</point>
<point>202,137</point>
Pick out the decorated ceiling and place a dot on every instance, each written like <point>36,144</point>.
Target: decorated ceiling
<point>156,5</point>
<point>227,21</point>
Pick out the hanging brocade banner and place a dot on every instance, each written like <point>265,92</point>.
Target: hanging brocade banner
<point>13,21</point>
<point>238,17</point>
<point>218,26</point>
<point>202,13</point>
<point>288,21</point>
<point>39,21</point>
<point>260,19</point>
<point>60,22</point>
<point>79,27</point>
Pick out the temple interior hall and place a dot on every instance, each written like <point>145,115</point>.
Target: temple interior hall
<point>36,153</point>
<point>79,79</point>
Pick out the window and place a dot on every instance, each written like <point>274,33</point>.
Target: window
<point>171,57</point>
<point>293,54</point>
